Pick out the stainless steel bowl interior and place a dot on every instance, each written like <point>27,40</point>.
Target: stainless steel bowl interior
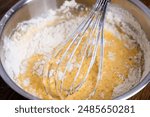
<point>27,9</point>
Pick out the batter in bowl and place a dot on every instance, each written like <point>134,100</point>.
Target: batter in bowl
<point>34,41</point>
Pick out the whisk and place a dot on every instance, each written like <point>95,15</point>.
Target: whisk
<point>83,43</point>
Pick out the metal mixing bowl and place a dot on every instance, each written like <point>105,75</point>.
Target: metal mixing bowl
<point>27,9</point>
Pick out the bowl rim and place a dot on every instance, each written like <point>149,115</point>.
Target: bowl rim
<point>27,95</point>
<point>3,73</point>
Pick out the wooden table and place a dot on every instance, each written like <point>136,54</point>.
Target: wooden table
<point>7,93</point>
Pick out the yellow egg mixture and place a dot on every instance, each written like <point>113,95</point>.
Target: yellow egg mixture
<point>118,60</point>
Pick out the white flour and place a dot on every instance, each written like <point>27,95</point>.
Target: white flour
<point>40,36</point>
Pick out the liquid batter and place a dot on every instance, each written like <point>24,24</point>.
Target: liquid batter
<point>118,60</point>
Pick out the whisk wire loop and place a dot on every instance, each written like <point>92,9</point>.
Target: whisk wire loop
<point>93,27</point>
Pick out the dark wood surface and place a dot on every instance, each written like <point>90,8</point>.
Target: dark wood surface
<point>6,93</point>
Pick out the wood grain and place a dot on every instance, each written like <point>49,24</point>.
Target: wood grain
<point>6,93</point>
